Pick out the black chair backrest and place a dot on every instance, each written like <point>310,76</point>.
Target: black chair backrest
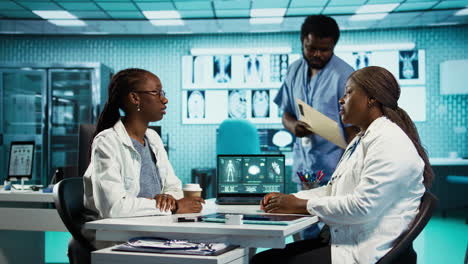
<point>68,199</point>
<point>85,139</point>
<point>405,241</point>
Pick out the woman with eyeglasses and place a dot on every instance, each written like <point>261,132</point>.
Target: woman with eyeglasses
<point>129,172</point>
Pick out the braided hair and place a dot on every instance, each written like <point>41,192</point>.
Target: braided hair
<point>121,84</point>
<point>384,88</point>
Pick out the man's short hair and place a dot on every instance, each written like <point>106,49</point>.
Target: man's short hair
<point>320,26</point>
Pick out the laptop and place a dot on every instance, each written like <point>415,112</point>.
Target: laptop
<point>245,179</point>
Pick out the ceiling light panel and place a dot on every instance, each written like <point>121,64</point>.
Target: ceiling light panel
<point>46,14</point>
<point>462,12</point>
<point>384,8</point>
<point>168,14</point>
<point>268,12</point>
<point>266,20</point>
<point>67,22</point>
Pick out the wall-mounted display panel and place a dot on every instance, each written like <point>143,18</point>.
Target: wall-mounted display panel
<point>408,67</point>
<point>217,87</point>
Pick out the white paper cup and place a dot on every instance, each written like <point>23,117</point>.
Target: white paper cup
<point>192,190</point>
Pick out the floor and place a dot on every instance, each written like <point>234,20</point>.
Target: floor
<point>443,240</point>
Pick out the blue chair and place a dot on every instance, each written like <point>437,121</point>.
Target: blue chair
<point>237,136</point>
<point>402,251</point>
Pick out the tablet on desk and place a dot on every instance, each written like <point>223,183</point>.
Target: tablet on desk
<point>261,219</point>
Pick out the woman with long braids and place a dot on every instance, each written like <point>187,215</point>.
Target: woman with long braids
<point>129,172</point>
<point>375,192</point>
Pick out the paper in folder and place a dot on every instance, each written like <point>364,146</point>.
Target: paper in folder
<point>320,124</point>
<point>166,246</point>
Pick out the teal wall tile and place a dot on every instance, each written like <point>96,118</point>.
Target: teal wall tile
<point>193,146</point>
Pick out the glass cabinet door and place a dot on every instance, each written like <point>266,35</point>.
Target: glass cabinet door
<point>71,104</point>
<point>22,115</point>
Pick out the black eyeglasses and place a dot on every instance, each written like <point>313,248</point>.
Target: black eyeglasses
<point>161,93</point>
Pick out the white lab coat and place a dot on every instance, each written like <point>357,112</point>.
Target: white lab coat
<point>375,196</point>
<point>112,180</point>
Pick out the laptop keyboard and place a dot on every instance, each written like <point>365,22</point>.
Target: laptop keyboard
<point>238,200</point>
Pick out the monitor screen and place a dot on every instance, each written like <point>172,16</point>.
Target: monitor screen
<point>275,140</point>
<point>157,129</point>
<point>21,160</point>
<point>250,174</point>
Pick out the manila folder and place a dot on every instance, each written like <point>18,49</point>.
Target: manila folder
<point>320,124</point>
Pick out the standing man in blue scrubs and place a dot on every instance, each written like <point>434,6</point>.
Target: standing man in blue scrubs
<point>318,79</point>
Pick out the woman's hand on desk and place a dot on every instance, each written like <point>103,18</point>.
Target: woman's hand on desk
<point>189,205</point>
<point>165,202</point>
<point>283,203</point>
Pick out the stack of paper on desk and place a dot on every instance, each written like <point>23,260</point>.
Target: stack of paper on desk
<point>161,245</point>
<point>320,124</point>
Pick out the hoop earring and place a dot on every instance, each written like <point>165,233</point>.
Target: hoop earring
<point>138,107</point>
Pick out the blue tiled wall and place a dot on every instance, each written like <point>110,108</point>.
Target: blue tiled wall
<point>193,146</point>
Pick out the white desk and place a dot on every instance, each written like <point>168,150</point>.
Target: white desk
<point>28,211</point>
<point>448,162</point>
<point>25,215</point>
<point>246,235</point>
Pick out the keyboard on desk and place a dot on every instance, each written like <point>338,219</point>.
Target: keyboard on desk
<point>238,200</point>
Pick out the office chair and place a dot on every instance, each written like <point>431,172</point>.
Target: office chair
<point>237,136</point>
<point>403,252</point>
<point>85,139</point>
<point>68,199</point>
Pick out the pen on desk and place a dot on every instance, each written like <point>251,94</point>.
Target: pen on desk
<point>301,177</point>
<point>320,175</point>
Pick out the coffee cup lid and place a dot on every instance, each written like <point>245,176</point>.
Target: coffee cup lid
<point>192,187</point>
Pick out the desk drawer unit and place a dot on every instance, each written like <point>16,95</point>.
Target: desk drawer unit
<point>107,256</point>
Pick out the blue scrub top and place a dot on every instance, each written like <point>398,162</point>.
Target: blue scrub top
<point>322,93</point>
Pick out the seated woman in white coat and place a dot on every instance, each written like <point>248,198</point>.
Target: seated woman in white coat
<point>374,193</point>
<point>129,172</point>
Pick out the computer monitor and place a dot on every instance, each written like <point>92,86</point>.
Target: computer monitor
<point>21,161</point>
<point>157,129</point>
<point>275,140</point>
<point>247,175</point>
